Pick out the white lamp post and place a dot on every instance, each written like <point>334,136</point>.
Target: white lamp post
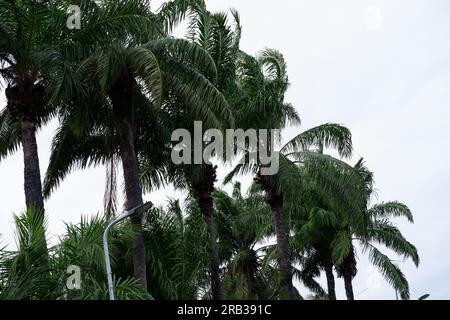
<point>138,210</point>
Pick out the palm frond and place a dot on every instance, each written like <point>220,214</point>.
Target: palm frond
<point>328,135</point>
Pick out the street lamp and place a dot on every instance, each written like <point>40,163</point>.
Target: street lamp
<point>137,210</point>
<point>425,296</point>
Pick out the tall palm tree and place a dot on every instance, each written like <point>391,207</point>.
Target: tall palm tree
<point>211,33</point>
<point>380,230</point>
<point>282,188</point>
<point>126,87</point>
<point>340,215</point>
<point>23,38</point>
<point>264,82</point>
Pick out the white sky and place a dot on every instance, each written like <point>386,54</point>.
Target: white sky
<point>386,78</point>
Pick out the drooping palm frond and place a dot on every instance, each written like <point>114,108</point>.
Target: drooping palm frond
<point>9,134</point>
<point>389,270</point>
<point>309,270</point>
<point>342,246</point>
<point>391,209</point>
<point>175,11</point>
<point>75,150</point>
<point>385,233</point>
<point>328,135</point>
<point>175,261</point>
<point>24,273</point>
<point>197,93</point>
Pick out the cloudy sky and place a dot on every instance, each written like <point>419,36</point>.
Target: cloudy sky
<point>382,68</point>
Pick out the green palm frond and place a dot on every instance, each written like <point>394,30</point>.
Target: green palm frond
<point>341,246</point>
<point>197,93</point>
<point>24,274</point>
<point>187,52</point>
<point>70,151</point>
<point>328,135</point>
<point>10,137</point>
<point>174,11</point>
<point>391,209</point>
<point>390,271</point>
<point>387,234</point>
<point>146,65</point>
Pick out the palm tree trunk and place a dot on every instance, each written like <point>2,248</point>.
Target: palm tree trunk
<point>348,287</point>
<point>121,97</point>
<point>32,177</point>
<point>134,198</point>
<point>32,174</point>
<point>275,200</point>
<point>348,270</point>
<point>204,191</point>
<point>26,101</point>
<point>330,280</point>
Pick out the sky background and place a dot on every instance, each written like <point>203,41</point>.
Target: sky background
<point>380,67</point>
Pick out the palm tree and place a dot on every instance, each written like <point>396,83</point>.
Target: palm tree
<point>24,273</point>
<point>380,230</point>
<point>211,33</point>
<point>316,223</point>
<point>176,264</point>
<point>264,82</point>
<point>39,80</point>
<point>282,189</point>
<point>338,216</point>
<point>23,38</point>
<point>127,79</point>
<point>243,223</point>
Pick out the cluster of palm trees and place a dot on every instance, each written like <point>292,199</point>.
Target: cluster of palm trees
<point>119,86</point>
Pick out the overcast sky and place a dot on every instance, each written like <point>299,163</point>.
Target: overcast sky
<point>380,67</point>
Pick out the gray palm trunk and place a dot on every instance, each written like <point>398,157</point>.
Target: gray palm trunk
<point>32,174</point>
<point>32,177</point>
<point>347,270</point>
<point>204,189</point>
<point>330,280</point>
<point>275,200</point>
<point>348,287</point>
<point>134,198</point>
<point>26,102</point>
<point>121,97</point>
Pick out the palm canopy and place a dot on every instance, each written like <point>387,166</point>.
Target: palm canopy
<point>262,84</point>
<point>23,37</point>
<point>300,151</point>
<point>212,33</point>
<point>331,225</point>
<point>161,69</point>
<point>243,222</point>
